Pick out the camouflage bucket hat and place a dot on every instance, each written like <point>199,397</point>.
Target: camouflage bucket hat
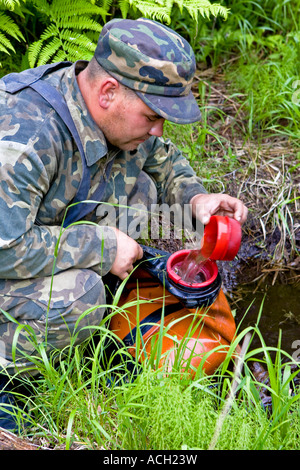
<point>154,61</point>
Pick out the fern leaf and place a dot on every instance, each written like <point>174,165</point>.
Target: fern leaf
<point>49,32</point>
<point>65,10</point>
<point>80,23</point>
<point>5,44</point>
<point>78,39</point>
<point>205,9</point>
<point>161,10</point>
<point>124,7</point>
<point>78,52</point>
<point>33,52</point>
<point>157,11</point>
<point>59,57</point>
<point>8,26</point>
<point>9,4</point>
<point>49,51</point>
<point>69,21</point>
<point>105,4</point>
<point>68,9</point>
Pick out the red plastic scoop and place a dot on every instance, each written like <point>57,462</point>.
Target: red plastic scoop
<point>221,239</point>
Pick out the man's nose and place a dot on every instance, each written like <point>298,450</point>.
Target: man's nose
<point>158,128</point>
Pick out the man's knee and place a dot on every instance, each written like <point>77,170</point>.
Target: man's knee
<point>80,312</point>
<point>67,311</point>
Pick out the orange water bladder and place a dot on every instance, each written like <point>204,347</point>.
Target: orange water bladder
<point>189,337</point>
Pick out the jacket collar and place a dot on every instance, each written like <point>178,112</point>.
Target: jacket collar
<point>91,136</point>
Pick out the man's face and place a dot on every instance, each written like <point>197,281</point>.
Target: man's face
<point>131,122</point>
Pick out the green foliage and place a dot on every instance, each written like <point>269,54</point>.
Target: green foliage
<point>162,10</point>
<point>76,399</point>
<point>68,30</point>
<point>8,27</point>
<point>66,36</point>
<point>87,396</point>
<point>251,25</point>
<point>270,83</point>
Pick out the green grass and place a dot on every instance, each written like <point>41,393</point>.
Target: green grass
<point>88,397</point>
<point>270,85</point>
<point>209,152</point>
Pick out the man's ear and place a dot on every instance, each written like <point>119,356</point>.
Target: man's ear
<point>107,92</point>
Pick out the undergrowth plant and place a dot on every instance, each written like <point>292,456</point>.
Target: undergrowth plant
<point>93,396</point>
<point>69,30</point>
<point>163,10</point>
<point>8,28</point>
<point>271,87</point>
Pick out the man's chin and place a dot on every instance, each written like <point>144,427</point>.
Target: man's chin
<point>132,145</point>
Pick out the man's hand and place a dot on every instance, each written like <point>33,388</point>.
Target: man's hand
<point>206,205</point>
<point>128,252</point>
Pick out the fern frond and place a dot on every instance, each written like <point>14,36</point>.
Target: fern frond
<point>48,51</point>
<point>204,8</point>
<point>66,32</point>
<point>105,5</point>
<point>59,57</point>
<point>5,44</point>
<point>124,7</point>
<point>78,40</point>
<point>79,23</point>
<point>9,4</point>
<point>161,10</point>
<point>68,46</point>
<point>76,52</point>
<point>8,28</point>
<point>65,9</point>
<point>50,32</point>
<point>33,52</point>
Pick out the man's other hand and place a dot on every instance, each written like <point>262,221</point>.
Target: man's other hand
<point>128,252</point>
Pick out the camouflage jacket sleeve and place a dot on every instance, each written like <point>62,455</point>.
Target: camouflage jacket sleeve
<point>175,179</point>
<point>40,170</point>
<point>27,249</point>
<point>30,192</point>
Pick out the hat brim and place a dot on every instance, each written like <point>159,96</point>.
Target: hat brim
<point>177,109</point>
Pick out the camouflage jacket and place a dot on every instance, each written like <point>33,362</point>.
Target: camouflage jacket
<point>41,169</point>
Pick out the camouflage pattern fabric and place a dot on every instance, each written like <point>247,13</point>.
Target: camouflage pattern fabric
<point>153,60</point>
<point>40,172</point>
<point>52,315</point>
<point>53,312</point>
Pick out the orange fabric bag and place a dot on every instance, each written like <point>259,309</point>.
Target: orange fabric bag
<point>200,336</point>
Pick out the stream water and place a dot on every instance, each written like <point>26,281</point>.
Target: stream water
<point>280,311</point>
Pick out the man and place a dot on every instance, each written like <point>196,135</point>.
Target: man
<point>141,75</point>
